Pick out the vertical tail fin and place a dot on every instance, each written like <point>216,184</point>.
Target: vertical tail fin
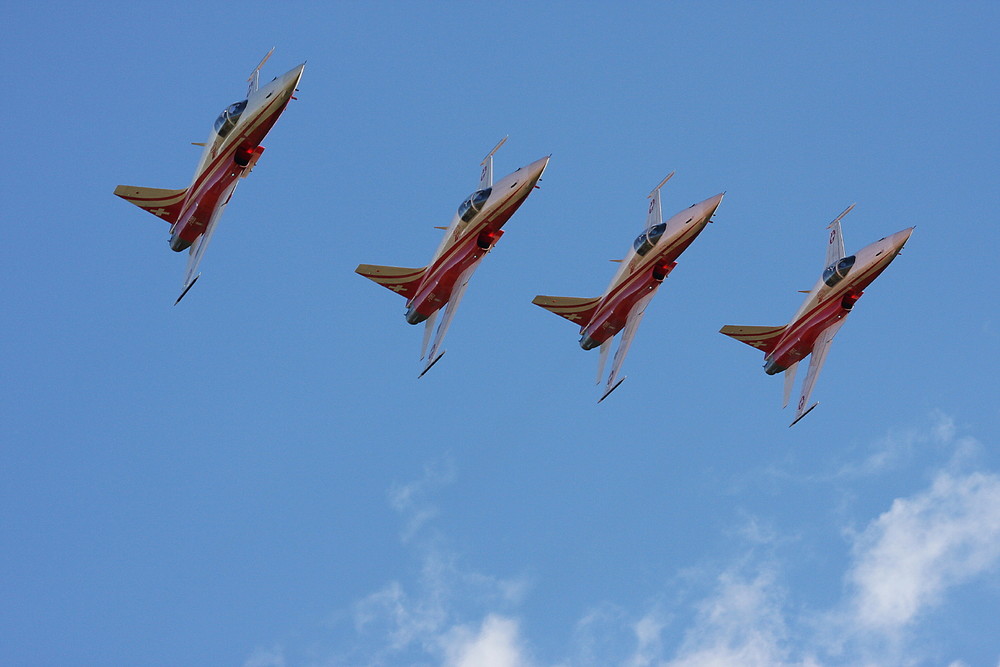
<point>835,242</point>
<point>486,175</point>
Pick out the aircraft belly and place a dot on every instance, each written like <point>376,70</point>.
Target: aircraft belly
<point>437,288</point>
<point>611,317</point>
<point>801,337</point>
<point>191,226</point>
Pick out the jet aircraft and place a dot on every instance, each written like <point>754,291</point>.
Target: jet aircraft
<point>824,311</point>
<point>232,150</point>
<point>652,257</point>
<point>473,232</point>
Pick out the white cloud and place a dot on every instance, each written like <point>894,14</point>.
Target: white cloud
<point>431,615</point>
<point>903,564</point>
<point>912,554</point>
<point>649,645</point>
<point>497,644</point>
<point>741,624</point>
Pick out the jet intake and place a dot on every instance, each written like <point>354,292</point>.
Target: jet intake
<point>850,299</point>
<point>487,239</point>
<point>661,271</point>
<point>243,156</point>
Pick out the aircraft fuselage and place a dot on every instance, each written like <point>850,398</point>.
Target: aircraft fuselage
<point>641,274</point>
<point>226,158</point>
<point>827,303</point>
<point>467,240</point>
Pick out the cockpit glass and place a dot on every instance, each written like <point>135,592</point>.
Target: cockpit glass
<point>834,273</point>
<point>226,121</point>
<point>645,241</point>
<point>474,204</point>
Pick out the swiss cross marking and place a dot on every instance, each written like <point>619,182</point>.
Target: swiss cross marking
<point>396,288</point>
<point>158,211</point>
<point>572,317</point>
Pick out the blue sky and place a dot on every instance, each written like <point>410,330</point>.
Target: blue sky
<point>257,477</point>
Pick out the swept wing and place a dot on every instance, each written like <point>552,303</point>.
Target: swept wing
<point>816,359</point>
<point>449,312</point>
<point>197,250</point>
<point>628,333</point>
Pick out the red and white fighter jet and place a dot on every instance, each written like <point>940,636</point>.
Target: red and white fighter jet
<point>232,150</point>
<point>473,232</point>
<point>652,257</point>
<point>825,310</point>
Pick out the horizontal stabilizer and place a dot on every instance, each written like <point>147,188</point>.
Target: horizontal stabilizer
<point>762,338</point>
<point>574,309</point>
<point>165,204</point>
<point>398,279</point>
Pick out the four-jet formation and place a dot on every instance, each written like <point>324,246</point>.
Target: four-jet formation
<point>473,232</point>
<point>825,310</point>
<point>652,257</point>
<point>232,150</point>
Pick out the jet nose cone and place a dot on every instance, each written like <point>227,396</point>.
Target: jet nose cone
<point>901,237</point>
<point>290,80</point>
<point>712,203</point>
<point>538,166</point>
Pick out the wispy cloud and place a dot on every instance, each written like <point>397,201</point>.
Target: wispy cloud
<point>907,558</point>
<point>901,567</point>
<point>742,623</point>
<point>497,643</point>
<point>412,500</point>
<point>900,445</point>
<point>436,614</point>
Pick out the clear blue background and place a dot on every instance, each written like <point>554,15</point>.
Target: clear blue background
<point>257,477</point>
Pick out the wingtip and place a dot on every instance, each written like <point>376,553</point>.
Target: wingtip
<point>431,365</point>
<point>803,414</point>
<point>608,392</point>
<point>187,289</point>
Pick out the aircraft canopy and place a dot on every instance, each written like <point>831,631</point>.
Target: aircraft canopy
<point>226,121</point>
<point>471,206</point>
<point>645,242</point>
<point>834,273</point>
